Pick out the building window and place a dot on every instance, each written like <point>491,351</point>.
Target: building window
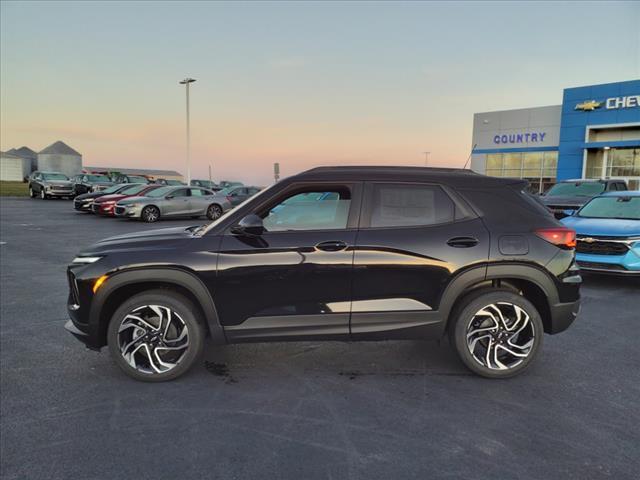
<point>621,163</point>
<point>539,168</point>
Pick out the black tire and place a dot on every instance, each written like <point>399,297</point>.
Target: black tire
<point>181,309</point>
<point>471,316</point>
<point>43,196</point>
<point>214,211</point>
<point>150,214</point>
<point>32,194</point>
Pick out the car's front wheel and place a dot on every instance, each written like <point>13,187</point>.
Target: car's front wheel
<point>155,336</point>
<point>43,195</point>
<point>150,214</point>
<point>496,333</point>
<point>214,212</point>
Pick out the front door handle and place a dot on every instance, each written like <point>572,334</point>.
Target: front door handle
<point>462,242</point>
<point>331,246</point>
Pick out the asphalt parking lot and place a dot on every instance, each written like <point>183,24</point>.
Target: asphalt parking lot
<point>301,410</point>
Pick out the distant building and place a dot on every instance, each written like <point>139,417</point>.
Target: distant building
<point>152,174</point>
<point>13,167</point>
<point>60,157</point>
<point>26,152</point>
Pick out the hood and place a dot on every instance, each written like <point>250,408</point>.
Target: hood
<point>90,195</point>
<point>162,238</point>
<point>130,200</point>
<point>565,200</point>
<point>58,183</point>
<point>605,227</point>
<point>114,197</point>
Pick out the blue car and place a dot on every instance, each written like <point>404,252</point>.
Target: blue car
<point>608,233</point>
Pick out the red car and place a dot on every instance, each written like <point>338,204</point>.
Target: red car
<point>104,205</point>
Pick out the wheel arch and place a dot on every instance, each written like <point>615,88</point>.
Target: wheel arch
<point>123,285</point>
<point>530,281</point>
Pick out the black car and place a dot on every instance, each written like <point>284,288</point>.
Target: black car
<point>50,185</point>
<point>83,202</point>
<point>566,197</point>
<point>338,253</point>
<point>237,195</point>
<point>206,184</point>
<point>85,183</point>
<point>130,179</point>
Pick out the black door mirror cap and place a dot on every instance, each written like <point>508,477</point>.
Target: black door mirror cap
<point>250,225</point>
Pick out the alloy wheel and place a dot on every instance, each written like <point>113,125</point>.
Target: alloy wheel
<point>153,339</point>
<point>500,336</point>
<point>150,214</point>
<point>214,212</point>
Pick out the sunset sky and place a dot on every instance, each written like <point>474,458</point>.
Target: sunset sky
<point>302,84</point>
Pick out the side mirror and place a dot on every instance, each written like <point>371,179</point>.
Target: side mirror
<point>250,225</point>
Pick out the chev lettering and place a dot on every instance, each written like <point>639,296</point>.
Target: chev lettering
<point>513,138</point>
<point>631,101</point>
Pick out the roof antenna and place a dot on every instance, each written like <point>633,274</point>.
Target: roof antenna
<point>472,149</point>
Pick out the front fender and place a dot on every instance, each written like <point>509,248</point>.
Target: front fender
<point>166,275</point>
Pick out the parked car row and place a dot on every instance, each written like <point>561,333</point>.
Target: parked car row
<point>152,202</point>
<point>58,185</point>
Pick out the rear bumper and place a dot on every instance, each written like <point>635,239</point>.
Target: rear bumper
<point>563,315</point>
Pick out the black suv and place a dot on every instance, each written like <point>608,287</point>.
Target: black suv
<point>338,253</point>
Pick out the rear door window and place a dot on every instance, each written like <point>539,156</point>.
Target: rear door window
<point>407,205</point>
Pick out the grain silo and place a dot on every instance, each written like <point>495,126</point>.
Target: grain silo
<point>60,157</point>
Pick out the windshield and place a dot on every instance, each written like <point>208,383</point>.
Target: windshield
<point>160,192</point>
<point>137,179</point>
<point>132,190</point>
<point>625,208</point>
<point>589,189</point>
<point>54,176</point>
<point>112,189</point>
<point>98,178</point>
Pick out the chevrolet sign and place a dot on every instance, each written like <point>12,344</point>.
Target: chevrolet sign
<point>630,101</point>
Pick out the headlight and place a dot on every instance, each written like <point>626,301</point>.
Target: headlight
<point>47,187</point>
<point>110,202</point>
<point>83,260</point>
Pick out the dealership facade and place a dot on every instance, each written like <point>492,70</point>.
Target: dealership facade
<point>595,133</point>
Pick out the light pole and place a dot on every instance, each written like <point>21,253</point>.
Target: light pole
<point>186,82</point>
<point>426,158</point>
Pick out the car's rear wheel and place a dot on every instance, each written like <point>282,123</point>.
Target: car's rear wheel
<point>43,195</point>
<point>155,336</point>
<point>214,212</point>
<point>496,333</point>
<point>150,214</point>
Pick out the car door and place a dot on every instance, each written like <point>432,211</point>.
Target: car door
<point>198,201</point>
<point>294,280</point>
<point>413,239</point>
<point>238,196</point>
<point>176,203</point>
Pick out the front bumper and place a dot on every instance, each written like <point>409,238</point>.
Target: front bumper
<point>127,211</point>
<point>627,264</point>
<point>59,193</point>
<point>80,335</point>
<point>102,209</point>
<point>82,206</point>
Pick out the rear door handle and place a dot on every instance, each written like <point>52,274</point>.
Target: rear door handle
<point>331,246</point>
<point>462,242</point>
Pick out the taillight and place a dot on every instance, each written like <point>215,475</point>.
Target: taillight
<point>562,237</point>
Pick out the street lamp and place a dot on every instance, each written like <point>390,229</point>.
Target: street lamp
<point>186,82</point>
<point>426,158</point>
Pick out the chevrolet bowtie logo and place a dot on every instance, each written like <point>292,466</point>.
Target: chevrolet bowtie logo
<point>588,106</point>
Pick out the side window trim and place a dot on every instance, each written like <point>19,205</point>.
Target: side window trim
<point>462,212</point>
<point>353,217</point>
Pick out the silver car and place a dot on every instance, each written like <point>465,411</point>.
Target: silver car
<point>173,201</point>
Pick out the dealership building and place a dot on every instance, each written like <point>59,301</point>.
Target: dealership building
<point>595,133</point>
